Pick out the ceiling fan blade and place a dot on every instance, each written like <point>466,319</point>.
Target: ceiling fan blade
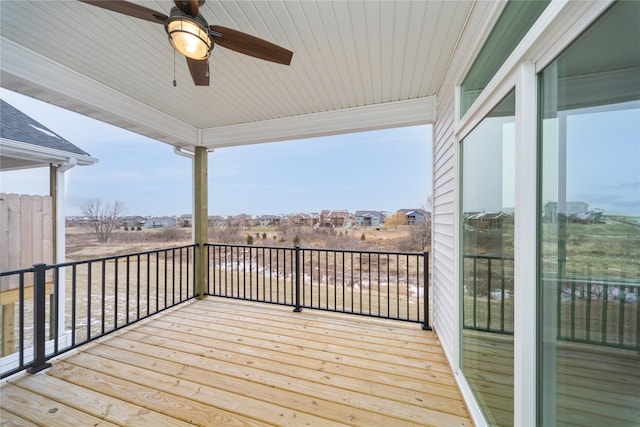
<point>199,71</point>
<point>250,45</point>
<point>130,9</point>
<point>190,7</point>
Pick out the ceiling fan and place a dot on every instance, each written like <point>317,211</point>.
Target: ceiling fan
<point>190,35</point>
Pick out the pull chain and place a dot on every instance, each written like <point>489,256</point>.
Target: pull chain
<point>174,69</point>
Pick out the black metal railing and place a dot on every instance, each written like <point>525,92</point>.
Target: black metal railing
<point>391,285</point>
<point>588,310</point>
<point>59,307</point>
<point>62,306</point>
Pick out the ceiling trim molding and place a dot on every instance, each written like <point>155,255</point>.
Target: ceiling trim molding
<point>412,112</point>
<point>21,66</point>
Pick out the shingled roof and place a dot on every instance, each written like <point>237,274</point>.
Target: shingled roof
<point>27,143</point>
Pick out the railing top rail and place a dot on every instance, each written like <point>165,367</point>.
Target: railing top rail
<point>113,257</point>
<point>302,248</point>
<point>14,272</point>
<point>93,260</point>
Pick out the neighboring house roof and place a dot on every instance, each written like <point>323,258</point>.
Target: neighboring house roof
<point>408,212</point>
<point>240,216</point>
<point>335,214</point>
<point>369,213</point>
<point>27,144</point>
<point>267,217</point>
<point>130,217</point>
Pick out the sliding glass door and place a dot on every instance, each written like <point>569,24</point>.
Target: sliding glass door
<point>589,279</point>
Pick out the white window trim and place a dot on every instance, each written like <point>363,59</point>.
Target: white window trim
<point>525,249</point>
<point>561,23</point>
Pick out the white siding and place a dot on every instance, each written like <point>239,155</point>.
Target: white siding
<point>445,299</point>
<point>444,289</point>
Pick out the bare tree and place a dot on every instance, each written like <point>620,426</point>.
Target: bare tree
<point>395,220</point>
<point>103,217</point>
<point>420,230</point>
<point>420,235</point>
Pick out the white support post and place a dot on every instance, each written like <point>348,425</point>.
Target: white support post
<point>58,192</point>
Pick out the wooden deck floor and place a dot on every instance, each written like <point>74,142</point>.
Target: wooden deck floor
<point>221,362</point>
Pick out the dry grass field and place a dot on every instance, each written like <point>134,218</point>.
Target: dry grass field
<point>82,243</point>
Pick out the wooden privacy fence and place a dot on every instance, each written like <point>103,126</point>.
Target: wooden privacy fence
<point>26,224</point>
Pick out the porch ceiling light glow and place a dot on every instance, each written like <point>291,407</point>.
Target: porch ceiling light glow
<point>189,35</point>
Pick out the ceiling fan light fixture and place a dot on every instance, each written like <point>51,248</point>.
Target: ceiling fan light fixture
<point>189,35</point>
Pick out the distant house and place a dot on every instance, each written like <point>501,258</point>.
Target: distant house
<point>304,219</point>
<point>185,220</point>
<point>369,218</point>
<point>587,217</point>
<point>270,220</point>
<point>572,208</point>
<point>416,216</point>
<point>242,220</point>
<point>217,221</point>
<point>161,222</point>
<point>78,221</point>
<point>334,219</point>
<point>489,220</point>
<point>133,221</point>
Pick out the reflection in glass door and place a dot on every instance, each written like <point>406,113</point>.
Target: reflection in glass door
<point>488,200</point>
<point>589,295</point>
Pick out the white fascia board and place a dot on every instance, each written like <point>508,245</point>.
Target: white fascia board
<point>380,116</point>
<point>21,66</point>
<point>45,155</point>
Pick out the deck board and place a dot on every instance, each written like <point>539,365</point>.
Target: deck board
<point>13,420</point>
<point>101,405</point>
<point>226,362</point>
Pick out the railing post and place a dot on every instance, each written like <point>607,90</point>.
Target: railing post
<point>425,325</point>
<point>39,318</point>
<point>298,307</point>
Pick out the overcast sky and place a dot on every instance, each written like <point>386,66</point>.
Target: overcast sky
<point>378,170</point>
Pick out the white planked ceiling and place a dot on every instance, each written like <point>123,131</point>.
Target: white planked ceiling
<point>349,56</point>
